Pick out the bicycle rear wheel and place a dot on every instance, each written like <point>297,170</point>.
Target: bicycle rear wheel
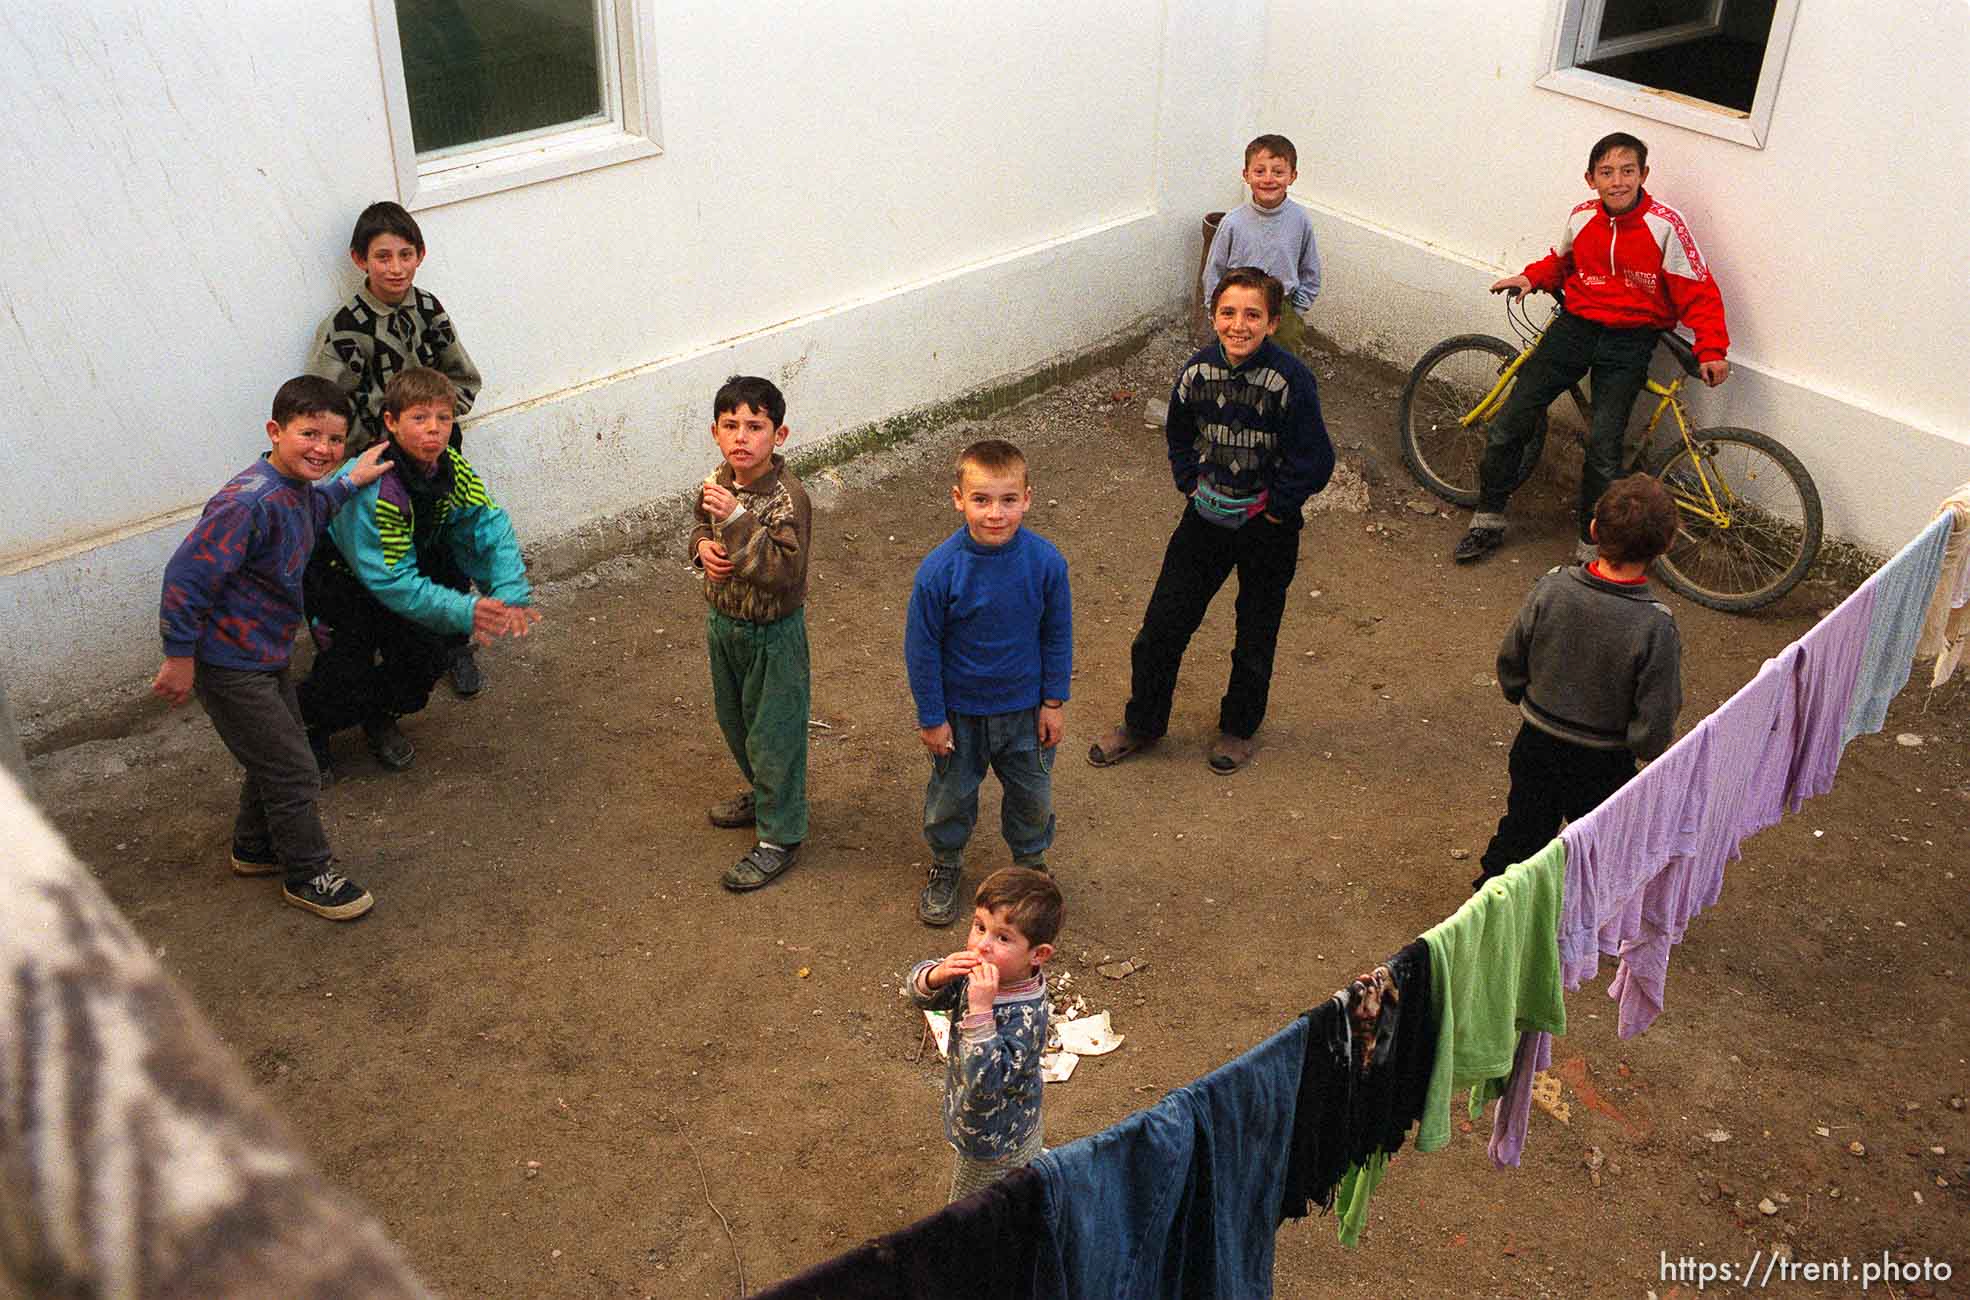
<point>1759,537</point>
<point>1442,451</point>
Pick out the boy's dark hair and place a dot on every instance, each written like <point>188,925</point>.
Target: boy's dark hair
<point>992,456</point>
<point>309,395</point>
<point>1276,145</point>
<point>1250,277</point>
<point>1619,140</point>
<point>751,390</point>
<point>418,386</point>
<point>385,218</point>
<point>1635,520</point>
<point>1030,899</point>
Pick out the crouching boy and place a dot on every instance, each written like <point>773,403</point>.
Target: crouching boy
<point>383,627</point>
<point>1595,665</point>
<point>992,1084</point>
<point>232,603</point>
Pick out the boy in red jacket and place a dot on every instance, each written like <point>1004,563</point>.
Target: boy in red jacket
<point>1629,269</point>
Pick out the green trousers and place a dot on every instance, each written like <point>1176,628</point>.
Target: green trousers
<point>759,686</point>
<point>1292,332</point>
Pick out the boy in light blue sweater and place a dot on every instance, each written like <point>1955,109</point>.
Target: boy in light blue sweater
<point>990,647</point>
<point>1272,233</point>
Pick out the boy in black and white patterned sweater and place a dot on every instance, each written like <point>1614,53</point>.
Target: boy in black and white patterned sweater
<point>992,1084</point>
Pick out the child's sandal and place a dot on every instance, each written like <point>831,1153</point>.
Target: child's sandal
<point>1116,746</point>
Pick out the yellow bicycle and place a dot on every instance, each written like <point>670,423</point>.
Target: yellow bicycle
<point>1750,515</point>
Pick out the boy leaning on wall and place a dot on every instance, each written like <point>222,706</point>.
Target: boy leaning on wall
<point>389,326</point>
<point>1272,233</point>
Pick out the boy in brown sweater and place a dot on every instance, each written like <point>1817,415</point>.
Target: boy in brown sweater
<point>751,541</point>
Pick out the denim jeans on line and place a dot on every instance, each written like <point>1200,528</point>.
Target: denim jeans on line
<point>1006,743</point>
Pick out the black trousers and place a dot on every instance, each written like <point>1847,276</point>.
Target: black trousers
<point>370,663</point>
<point>1551,779</point>
<point>1618,360</point>
<point>1199,558</point>
<point>256,715</point>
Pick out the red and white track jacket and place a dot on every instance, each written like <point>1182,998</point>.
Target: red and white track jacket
<point>1640,268</point>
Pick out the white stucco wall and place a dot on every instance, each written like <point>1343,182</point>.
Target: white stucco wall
<point>880,204</point>
<point>1433,165</point>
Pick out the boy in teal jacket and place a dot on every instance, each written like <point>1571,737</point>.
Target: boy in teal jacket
<point>381,591</point>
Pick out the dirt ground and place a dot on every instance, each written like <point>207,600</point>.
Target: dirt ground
<point>559,1060</point>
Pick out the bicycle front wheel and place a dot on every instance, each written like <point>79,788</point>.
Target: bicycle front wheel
<point>1748,519</point>
<point>1440,447</point>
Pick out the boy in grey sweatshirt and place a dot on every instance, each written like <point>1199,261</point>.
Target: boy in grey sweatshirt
<point>1594,663</point>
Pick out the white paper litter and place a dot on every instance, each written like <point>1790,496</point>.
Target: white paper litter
<point>1089,1035</point>
<point>1056,1067</point>
<point>940,1030</point>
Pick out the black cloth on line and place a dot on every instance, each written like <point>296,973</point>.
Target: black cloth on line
<point>993,1244</point>
<point>1344,1115</point>
<point>1391,1098</point>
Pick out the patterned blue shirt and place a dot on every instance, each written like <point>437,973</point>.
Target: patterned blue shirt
<point>992,1082</point>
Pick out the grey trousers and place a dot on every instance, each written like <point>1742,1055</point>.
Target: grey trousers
<point>970,1175</point>
<point>258,717</point>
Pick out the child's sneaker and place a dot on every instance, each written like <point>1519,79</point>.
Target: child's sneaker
<point>256,862</point>
<point>1477,544</point>
<point>762,865</point>
<point>739,810</point>
<point>938,903</point>
<point>328,893</point>
<point>388,742</point>
<point>467,679</point>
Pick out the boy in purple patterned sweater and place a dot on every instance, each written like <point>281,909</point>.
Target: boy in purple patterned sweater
<point>231,607</point>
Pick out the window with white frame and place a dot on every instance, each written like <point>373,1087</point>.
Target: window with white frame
<point>486,95</point>
<point>1709,65</point>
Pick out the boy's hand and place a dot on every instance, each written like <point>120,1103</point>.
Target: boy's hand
<point>370,466</point>
<point>520,619</point>
<point>1715,372</point>
<point>1516,285</point>
<point>937,739</point>
<point>983,988</point>
<point>713,559</point>
<point>955,967</point>
<point>174,680</point>
<point>492,619</point>
<point>1052,725</point>
<point>719,502</point>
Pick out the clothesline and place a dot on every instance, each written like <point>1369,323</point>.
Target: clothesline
<point>1185,1197</point>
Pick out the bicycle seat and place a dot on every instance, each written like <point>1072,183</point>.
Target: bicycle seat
<point>1679,347</point>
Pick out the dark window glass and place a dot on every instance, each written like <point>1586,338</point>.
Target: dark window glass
<point>477,70</point>
<point>1720,67</point>
<point>1630,17</point>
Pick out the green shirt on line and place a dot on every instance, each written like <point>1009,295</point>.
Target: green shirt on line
<point>1494,973</point>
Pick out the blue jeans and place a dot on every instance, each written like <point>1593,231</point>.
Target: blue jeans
<point>1006,743</point>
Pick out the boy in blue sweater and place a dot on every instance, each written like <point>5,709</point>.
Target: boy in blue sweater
<point>231,606</point>
<point>990,647</point>
<point>1247,448</point>
<point>992,1085</point>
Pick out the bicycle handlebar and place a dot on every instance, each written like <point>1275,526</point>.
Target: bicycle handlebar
<point>1679,347</point>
